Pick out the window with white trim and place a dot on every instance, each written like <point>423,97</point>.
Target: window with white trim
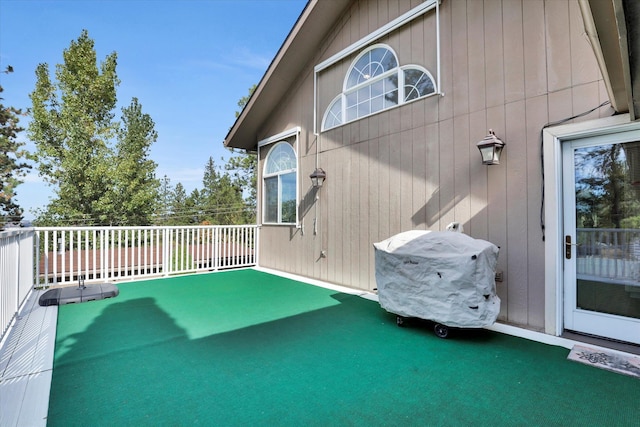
<point>280,187</point>
<point>371,85</point>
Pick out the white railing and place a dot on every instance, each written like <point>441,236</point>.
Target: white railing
<point>16,273</point>
<point>612,254</point>
<point>111,253</point>
<point>57,256</point>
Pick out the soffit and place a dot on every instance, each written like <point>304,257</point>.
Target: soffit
<point>613,27</point>
<point>632,18</point>
<point>300,46</point>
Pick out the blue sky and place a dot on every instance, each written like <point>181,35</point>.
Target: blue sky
<point>188,62</point>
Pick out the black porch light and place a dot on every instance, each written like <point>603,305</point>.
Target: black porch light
<point>490,149</point>
<point>317,177</point>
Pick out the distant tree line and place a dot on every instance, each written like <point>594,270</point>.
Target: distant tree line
<point>99,167</point>
<point>221,200</point>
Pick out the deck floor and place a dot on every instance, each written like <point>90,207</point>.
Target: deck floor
<point>26,360</point>
<point>26,365</point>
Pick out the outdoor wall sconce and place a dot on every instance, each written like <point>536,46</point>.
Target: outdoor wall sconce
<point>490,149</point>
<point>317,177</point>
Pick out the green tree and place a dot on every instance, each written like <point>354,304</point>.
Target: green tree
<point>229,206</point>
<point>12,169</point>
<point>209,183</point>
<point>243,168</point>
<point>177,205</point>
<point>136,190</point>
<point>194,207</point>
<point>74,130</point>
<point>222,200</point>
<point>71,127</point>
<point>165,195</point>
<point>243,101</point>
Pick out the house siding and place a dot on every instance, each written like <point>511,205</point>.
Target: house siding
<point>509,65</point>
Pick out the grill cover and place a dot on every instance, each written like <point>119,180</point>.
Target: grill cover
<point>445,277</point>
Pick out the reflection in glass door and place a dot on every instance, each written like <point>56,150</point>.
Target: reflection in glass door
<point>602,238</point>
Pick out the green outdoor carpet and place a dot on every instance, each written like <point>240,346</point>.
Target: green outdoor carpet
<point>248,348</point>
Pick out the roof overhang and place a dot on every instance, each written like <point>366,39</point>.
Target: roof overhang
<point>300,47</point>
<point>613,27</point>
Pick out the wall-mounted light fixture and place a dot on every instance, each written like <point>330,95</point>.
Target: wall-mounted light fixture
<point>490,149</point>
<point>317,177</point>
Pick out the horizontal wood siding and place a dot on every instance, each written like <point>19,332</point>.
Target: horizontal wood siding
<point>508,65</point>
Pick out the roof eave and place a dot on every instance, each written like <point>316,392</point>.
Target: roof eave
<point>298,49</point>
<point>613,29</point>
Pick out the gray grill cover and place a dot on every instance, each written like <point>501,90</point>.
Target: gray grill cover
<point>444,276</point>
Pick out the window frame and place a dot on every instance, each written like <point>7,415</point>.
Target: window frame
<point>398,70</point>
<point>290,138</point>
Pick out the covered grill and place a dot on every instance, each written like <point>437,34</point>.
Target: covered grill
<point>445,277</point>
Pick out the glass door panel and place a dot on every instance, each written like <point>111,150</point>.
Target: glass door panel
<point>602,242</point>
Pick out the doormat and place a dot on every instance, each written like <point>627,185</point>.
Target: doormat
<point>620,363</point>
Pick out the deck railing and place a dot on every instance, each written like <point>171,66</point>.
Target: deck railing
<point>610,254</point>
<point>58,256</point>
<point>16,273</point>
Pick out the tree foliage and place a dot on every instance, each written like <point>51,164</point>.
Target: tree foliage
<point>221,197</point>
<point>164,200</point>
<point>12,168</point>
<point>179,214</point>
<point>218,202</point>
<point>242,102</point>
<point>606,197</point>
<point>243,169</point>
<point>73,128</point>
<point>135,192</point>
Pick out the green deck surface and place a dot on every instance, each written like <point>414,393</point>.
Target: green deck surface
<point>248,348</point>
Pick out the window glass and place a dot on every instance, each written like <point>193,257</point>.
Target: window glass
<point>352,113</point>
<point>281,158</point>
<point>377,104</point>
<point>288,182</point>
<point>334,115</point>
<point>364,94</point>
<point>364,109</point>
<point>280,190</point>
<point>416,84</point>
<point>372,85</point>
<point>377,88</point>
<point>371,64</point>
<point>391,99</point>
<point>271,199</point>
<point>391,91</point>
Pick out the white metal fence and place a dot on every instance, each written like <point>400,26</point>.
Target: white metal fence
<point>56,256</point>
<point>16,273</point>
<point>611,254</point>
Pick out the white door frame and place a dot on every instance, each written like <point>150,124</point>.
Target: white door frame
<point>553,138</point>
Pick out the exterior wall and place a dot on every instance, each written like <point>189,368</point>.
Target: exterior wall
<point>512,66</point>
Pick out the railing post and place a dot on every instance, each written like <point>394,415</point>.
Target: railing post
<point>36,252</point>
<point>17,270</point>
<point>165,251</point>
<point>256,245</point>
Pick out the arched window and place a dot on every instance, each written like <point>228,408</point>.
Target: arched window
<point>371,85</point>
<point>280,191</point>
